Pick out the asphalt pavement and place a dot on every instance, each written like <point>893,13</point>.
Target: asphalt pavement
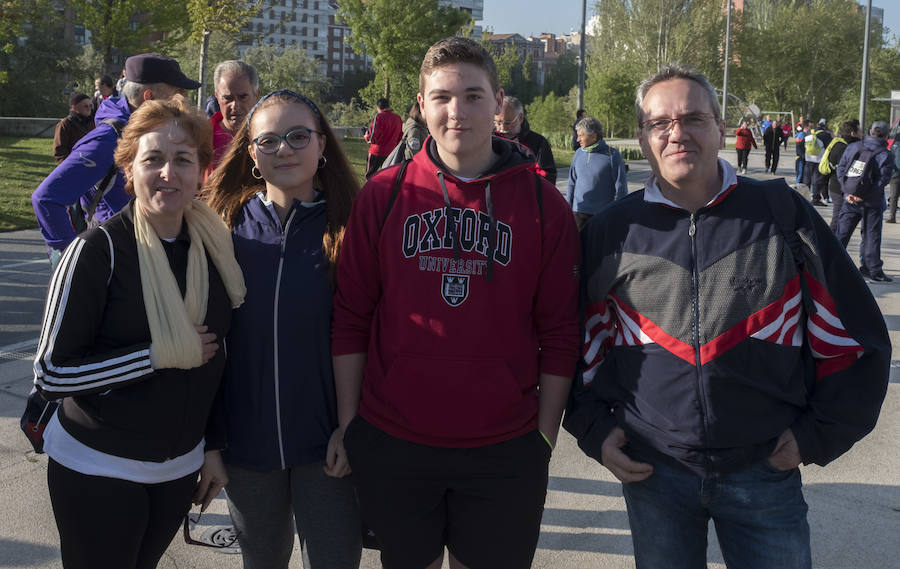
<point>854,502</point>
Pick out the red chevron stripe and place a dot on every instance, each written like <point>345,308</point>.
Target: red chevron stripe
<point>748,326</point>
<point>674,345</point>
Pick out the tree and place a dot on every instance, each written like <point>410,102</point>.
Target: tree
<point>128,25</point>
<point>563,75</point>
<point>227,17</point>
<point>397,33</point>
<point>548,115</point>
<point>221,47</point>
<point>644,35</point>
<point>811,74</point>
<point>609,97</point>
<point>288,68</point>
<point>39,44</point>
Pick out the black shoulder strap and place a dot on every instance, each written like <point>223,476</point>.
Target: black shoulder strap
<point>783,209</point>
<point>106,183</point>
<point>396,190</point>
<point>539,196</point>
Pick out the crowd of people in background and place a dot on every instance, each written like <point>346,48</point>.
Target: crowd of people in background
<point>427,331</point>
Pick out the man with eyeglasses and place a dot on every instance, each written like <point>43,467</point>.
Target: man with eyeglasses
<point>511,124</point>
<point>728,338</point>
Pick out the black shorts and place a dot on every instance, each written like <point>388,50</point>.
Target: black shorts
<point>484,503</point>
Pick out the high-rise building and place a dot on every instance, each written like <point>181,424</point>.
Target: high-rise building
<point>311,25</point>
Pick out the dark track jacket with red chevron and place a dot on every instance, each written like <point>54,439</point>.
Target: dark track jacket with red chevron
<point>696,341</point>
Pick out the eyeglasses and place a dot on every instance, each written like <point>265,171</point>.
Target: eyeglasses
<point>221,538</point>
<point>298,139</point>
<point>693,122</point>
<point>502,123</point>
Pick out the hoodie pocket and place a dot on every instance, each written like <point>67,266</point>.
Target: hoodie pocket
<point>459,398</point>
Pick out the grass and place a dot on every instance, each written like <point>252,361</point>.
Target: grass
<point>25,162</point>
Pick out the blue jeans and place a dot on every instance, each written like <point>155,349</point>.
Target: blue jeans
<point>759,512</point>
<point>798,167</point>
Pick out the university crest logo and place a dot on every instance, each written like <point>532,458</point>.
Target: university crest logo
<point>454,288</point>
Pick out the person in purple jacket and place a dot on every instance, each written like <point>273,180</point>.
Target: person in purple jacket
<point>90,167</point>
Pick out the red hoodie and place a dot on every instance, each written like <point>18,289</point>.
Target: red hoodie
<point>453,355</point>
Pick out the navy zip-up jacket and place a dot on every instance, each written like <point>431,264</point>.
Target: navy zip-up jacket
<point>884,162</point>
<point>697,342</point>
<point>279,386</point>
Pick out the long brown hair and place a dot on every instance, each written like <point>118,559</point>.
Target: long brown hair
<point>231,184</point>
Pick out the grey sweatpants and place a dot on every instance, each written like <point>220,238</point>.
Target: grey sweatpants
<point>324,509</point>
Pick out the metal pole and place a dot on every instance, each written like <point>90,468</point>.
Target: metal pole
<point>727,59</point>
<point>865,68</point>
<point>581,66</point>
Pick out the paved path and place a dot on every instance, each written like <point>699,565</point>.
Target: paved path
<point>854,502</point>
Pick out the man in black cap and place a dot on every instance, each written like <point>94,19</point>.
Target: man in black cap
<point>89,174</point>
<point>72,128</point>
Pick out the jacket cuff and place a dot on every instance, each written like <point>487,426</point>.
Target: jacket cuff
<point>592,441</point>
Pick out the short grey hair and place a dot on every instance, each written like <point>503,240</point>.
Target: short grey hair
<point>590,125</point>
<point>134,92</point>
<point>676,71</point>
<point>879,129</point>
<point>510,102</point>
<point>235,68</point>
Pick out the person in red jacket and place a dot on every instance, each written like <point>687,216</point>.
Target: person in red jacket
<point>455,333</point>
<point>742,144</point>
<point>382,135</point>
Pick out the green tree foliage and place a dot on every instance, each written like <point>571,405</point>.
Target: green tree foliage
<point>396,34</point>
<point>816,74</point>
<point>40,47</point>
<point>609,97</point>
<point>644,35</point>
<point>563,75</point>
<point>636,38</point>
<point>221,48</point>
<point>288,68</point>
<point>227,17</point>
<point>127,25</point>
<point>548,115</point>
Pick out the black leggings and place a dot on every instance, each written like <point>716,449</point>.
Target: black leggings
<point>112,523</point>
<point>742,154</point>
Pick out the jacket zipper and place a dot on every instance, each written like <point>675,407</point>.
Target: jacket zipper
<point>695,300</point>
<point>284,233</point>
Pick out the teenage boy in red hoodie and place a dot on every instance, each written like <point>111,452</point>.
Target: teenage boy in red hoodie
<point>454,343</point>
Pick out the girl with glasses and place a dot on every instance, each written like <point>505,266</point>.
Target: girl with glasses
<point>285,188</point>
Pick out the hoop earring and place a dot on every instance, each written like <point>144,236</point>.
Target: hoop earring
<point>322,161</point>
<point>256,173</point>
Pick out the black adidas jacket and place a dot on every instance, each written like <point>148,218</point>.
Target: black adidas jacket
<point>94,352</point>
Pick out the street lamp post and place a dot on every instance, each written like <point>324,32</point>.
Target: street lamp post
<point>865,68</point>
<point>582,46</point>
<point>727,59</point>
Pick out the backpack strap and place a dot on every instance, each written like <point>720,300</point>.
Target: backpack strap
<point>784,209</point>
<point>106,184</point>
<point>396,190</point>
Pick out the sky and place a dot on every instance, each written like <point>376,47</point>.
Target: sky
<point>532,17</point>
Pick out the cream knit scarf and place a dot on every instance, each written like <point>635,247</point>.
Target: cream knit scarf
<point>175,342</point>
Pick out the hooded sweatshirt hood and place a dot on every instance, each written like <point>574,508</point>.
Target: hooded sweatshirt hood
<point>113,108</point>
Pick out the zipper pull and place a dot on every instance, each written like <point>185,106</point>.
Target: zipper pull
<point>693,228</point>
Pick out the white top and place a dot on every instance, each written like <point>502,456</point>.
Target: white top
<point>75,455</point>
